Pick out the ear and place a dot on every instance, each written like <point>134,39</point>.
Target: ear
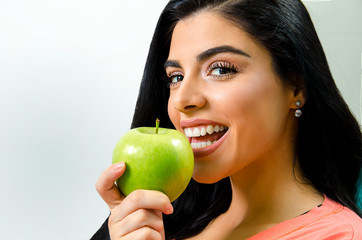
<point>299,91</point>
<point>299,96</point>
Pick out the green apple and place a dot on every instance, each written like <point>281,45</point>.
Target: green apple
<point>156,159</point>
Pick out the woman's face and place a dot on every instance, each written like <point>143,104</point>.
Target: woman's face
<point>225,97</point>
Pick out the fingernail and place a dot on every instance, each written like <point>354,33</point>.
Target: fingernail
<point>169,210</point>
<point>118,166</point>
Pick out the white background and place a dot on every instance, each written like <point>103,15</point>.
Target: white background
<point>69,77</point>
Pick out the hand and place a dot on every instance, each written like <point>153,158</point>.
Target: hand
<point>137,216</point>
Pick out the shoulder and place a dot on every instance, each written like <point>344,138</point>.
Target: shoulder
<point>330,221</point>
<point>335,221</point>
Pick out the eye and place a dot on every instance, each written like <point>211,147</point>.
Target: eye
<point>174,79</point>
<point>222,69</point>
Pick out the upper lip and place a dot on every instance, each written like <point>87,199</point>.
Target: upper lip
<point>198,122</point>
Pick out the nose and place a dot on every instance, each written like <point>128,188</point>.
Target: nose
<point>189,96</point>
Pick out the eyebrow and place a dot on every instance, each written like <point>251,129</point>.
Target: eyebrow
<point>221,49</point>
<point>171,63</point>
<point>209,53</point>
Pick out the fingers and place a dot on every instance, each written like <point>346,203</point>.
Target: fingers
<point>106,187</point>
<point>143,199</point>
<point>140,218</point>
<point>144,233</point>
<point>137,216</point>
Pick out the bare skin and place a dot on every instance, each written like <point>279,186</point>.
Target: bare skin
<point>237,87</point>
<point>139,215</point>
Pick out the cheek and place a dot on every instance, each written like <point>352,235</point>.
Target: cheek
<point>257,109</point>
<point>242,103</point>
<point>261,98</point>
<point>262,120</point>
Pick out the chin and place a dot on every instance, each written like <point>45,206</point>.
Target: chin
<point>206,178</point>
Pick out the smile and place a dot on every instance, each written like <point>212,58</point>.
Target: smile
<point>204,136</point>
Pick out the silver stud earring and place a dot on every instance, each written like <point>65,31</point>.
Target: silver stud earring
<point>298,112</point>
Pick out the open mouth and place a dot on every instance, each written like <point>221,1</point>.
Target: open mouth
<point>204,136</point>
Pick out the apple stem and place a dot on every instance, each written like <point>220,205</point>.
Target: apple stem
<point>157,125</point>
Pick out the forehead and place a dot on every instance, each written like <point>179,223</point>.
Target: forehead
<point>206,30</point>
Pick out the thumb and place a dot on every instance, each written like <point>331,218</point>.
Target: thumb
<point>106,187</point>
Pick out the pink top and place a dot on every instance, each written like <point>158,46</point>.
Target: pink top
<point>331,221</point>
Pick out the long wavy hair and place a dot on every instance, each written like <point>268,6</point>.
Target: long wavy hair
<point>328,142</point>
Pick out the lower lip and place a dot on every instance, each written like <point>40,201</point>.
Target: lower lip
<point>202,152</point>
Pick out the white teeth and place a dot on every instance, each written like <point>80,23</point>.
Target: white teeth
<point>210,129</point>
<point>202,131</point>
<point>196,132</point>
<point>188,132</point>
<point>198,145</point>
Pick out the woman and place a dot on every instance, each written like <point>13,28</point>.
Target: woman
<point>284,164</point>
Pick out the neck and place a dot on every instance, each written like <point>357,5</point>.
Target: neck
<point>267,193</point>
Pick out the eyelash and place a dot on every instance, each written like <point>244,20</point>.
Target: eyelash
<point>171,84</point>
<point>230,70</point>
<point>229,67</point>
